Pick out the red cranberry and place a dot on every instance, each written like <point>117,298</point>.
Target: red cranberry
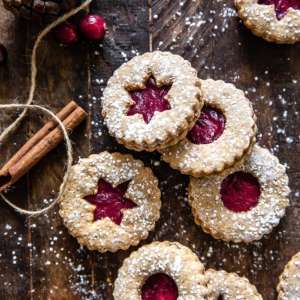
<point>281,6</point>
<point>93,27</point>
<point>208,128</point>
<point>110,201</point>
<point>66,33</point>
<point>3,54</point>
<point>240,191</point>
<point>149,100</point>
<point>159,287</point>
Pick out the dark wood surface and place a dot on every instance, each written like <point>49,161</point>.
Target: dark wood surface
<point>38,258</point>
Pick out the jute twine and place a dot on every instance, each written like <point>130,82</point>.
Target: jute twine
<point>28,105</point>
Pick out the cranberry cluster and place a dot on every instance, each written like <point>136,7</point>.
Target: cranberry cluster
<point>92,27</point>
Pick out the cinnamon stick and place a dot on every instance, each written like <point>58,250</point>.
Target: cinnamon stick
<point>46,139</point>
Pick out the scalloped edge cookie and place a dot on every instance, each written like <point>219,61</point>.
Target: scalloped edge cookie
<point>165,128</point>
<point>239,134</point>
<point>104,235</point>
<point>171,258</point>
<point>214,218</point>
<point>261,20</point>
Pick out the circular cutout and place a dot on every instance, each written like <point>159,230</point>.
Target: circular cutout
<point>208,128</point>
<point>258,175</point>
<point>161,270</point>
<point>240,191</point>
<point>159,287</point>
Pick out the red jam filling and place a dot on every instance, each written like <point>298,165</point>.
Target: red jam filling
<point>240,191</point>
<point>281,6</point>
<point>159,287</point>
<point>208,128</point>
<point>149,100</point>
<point>110,201</point>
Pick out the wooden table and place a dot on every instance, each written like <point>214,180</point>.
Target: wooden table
<point>38,258</point>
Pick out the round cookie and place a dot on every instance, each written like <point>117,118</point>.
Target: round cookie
<point>223,133</point>
<point>161,269</point>
<point>273,20</point>
<point>243,203</point>
<point>152,101</point>
<point>111,202</point>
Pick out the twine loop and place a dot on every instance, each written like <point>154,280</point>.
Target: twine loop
<point>28,105</point>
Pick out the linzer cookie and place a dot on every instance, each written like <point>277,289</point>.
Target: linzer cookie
<point>152,101</point>
<point>244,202</point>
<point>289,284</point>
<point>230,286</point>
<point>161,270</point>
<point>111,202</point>
<point>275,21</point>
<point>222,134</point>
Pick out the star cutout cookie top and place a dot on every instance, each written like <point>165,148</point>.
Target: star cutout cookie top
<point>274,20</point>
<point>111,202</point>
<point>149,100</point>
<point>152,101</point>
<point>240,191</point>
<point>221,136</point>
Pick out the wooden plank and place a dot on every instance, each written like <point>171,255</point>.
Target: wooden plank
<point>127,35</point>
<point>210,35</point>
<point>59,268</point>
<point>14,252</point>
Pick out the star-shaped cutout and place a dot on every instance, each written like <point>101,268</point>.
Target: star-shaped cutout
<point>281,6</point>
<point>149,100</point>
<point>110,202</point>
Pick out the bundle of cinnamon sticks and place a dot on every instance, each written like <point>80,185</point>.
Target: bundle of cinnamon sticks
<point>46,139</point>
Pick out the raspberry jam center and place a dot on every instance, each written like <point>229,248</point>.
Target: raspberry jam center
<point>110,202</point>
<point>159,287</point>
<point>149,100</point>
<point>281,6</point>
<point>240,191</point>
<point>208,128</point>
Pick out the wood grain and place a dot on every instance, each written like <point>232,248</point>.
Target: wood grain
<point>219,47</point>
<point>14,254</point>
<point>210,35</point>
